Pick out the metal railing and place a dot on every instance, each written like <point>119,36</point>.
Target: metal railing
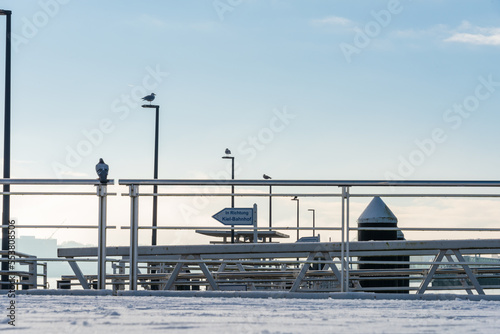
<point>344,185</point>
<point>101,192</point>
<point>340,190</point>
<point>26,279</point>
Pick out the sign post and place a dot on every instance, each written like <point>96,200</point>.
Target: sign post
<point>239,216</point>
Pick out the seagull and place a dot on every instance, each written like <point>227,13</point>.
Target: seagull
<point>266,177</point>
<point>149,98</point>
<point>102,171</point>
<point>228,151</point>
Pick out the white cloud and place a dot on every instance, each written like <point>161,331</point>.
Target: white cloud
<point>478,39</point>
<point>470,34</point>
<point>333,21</point>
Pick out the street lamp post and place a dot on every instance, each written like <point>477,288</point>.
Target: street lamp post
<point>314,219</point>
<point>297,199</point>
<point>267,177</point>
<point>232,188</point>
<point>6,150</point>
<point>155,174</point>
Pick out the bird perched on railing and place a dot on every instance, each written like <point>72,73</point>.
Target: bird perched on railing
<point>266,177</point>
<point>102,170</point>
<point>228,151</point>
<point>149,98</point>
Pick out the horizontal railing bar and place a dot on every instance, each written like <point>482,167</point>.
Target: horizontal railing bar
<point>307,195</point>
<point>94,182</point>
<point>54,226</point>
<point>454,264</point>
<point>54,193</point>
<point>230,228</point>
<point>310,183</point>
<point>250,228</point>
<point>478,229</point>
<point>54,259</point>
<point>234,194</point>
<point>424,195</point>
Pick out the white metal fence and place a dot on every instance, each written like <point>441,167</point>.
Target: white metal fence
<point>344,270</point>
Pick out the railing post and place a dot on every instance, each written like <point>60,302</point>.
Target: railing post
<point>347,256</point>
<point>101,244</point>
<point>33,279</point>
<point>134,223</point>
<point>342,247</point>
<point>344,286</point>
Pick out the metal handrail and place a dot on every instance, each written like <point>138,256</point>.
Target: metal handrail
<point>54,182</point>
<point>312,183</point>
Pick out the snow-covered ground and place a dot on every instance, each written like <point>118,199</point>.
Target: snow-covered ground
<point>167,314</point>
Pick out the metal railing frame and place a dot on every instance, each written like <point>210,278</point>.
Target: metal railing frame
<point>134,194</point>
<point>345,194</point>
<point>101,192</point>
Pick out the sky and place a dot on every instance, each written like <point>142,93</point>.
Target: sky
<point>331,90</point>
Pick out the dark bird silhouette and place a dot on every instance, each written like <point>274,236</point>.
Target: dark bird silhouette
<point>267,177</point>
<point>102,170</point>
<point>228,151</point>
<point>149,98</point>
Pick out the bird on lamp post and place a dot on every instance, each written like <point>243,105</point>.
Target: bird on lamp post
<point>149,98</point>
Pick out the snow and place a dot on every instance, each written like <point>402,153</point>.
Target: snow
<point>170,313</point>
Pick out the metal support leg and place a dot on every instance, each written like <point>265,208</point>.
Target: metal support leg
<point>430,274</point>
<point>302,273</point>
<point>79,274</point>
<point>101,248</point>
<point>134,223</point>
<point>469,272</point>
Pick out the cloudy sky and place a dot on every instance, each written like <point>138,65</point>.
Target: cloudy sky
<point>296,89</point>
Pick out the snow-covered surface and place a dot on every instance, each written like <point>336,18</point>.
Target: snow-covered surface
<point>172,314</point>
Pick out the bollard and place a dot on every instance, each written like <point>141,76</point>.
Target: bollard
<point>375,216</point>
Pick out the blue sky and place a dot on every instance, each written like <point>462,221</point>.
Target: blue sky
<point>296,89</point>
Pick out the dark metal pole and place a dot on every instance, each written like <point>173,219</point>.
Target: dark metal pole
<point>270,208</point>
<point>232,197</point>
<point>297,219</point>
<point>297,199</point>
<point>155,176</point>
<point>155,173</point>
<point>6,148</point>
<point>314,222</point>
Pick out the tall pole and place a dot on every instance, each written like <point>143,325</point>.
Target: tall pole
<point>155,176</point>
<point>6,148</point>
<point>232,197</point>
<point>267,177</point>
<point>270,207</point>
<point>297,199</point>
<point>155,173</point>
<point>232,188</point>
<point>297,219</point>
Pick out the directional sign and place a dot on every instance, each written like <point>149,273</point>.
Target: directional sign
<point>235,216</point>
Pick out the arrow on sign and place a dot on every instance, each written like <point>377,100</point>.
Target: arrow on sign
<point>235,216</point>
